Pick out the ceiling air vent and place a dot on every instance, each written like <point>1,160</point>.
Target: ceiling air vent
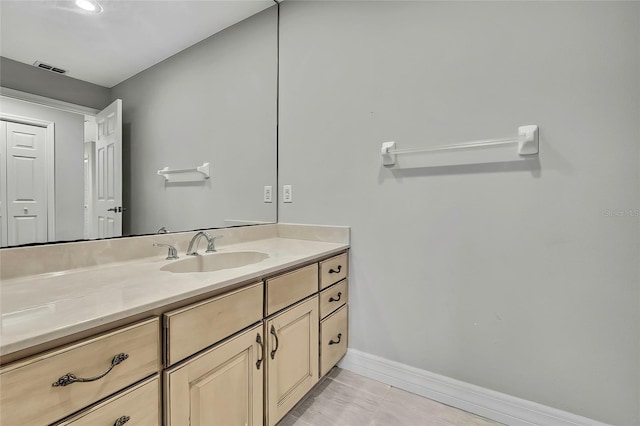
<point>49,67</point>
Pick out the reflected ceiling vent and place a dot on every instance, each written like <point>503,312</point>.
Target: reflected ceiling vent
<point>49,67</point>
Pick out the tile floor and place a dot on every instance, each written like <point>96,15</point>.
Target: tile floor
<point>348,399</point>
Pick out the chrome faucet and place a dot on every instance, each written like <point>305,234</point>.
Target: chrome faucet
<point>172,254</point>
<point>196,239</point>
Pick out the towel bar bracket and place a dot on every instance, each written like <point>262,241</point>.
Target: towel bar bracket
<point>529,144</point>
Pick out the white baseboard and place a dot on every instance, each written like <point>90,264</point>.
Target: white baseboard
<point>474,399</point>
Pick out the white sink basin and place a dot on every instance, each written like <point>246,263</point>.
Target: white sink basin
<point>215,262</point>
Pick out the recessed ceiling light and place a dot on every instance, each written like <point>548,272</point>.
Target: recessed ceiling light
<point>89,5</point>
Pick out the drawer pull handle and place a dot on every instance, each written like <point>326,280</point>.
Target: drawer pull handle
<point>70,378</point>
<point>332,299</point>
<point>259,341</point>
<point>273,331</point>
<point>122,420</point>
<point>333,342</point>
<point>335,271</point>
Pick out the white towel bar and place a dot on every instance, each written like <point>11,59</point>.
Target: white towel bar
<point>185,175</point>
<point>527,141</point>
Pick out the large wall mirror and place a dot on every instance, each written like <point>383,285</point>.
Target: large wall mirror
<point>136,117</point>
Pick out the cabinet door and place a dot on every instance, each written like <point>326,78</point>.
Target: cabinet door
<point>222,386</point>
<point>292,357</point>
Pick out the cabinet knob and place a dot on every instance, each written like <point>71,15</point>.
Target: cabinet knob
<point>333,299</point>
<point>334,342</point>
<point>335,271</point>
<point>273,332</point>
<point>259,361</point>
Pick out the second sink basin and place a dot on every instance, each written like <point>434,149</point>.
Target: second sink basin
<point>215,262</point>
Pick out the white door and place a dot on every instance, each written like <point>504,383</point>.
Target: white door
<point>26,184</point>
<point>109,171</point>
<point>3,184</point>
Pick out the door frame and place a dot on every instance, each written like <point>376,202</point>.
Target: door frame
<point>90,230</point>
<point>4,210</point>
<point>49,152</point>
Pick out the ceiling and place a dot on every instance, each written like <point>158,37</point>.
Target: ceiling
<point>129,36</point>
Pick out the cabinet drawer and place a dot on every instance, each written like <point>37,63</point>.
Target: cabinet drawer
<point>333,339</point>
<point>289,288</point>
<point>28,391</point>
<point>198,326</point>
<point>333,270</point>
<point>333,297</point>
<point>138,406</point>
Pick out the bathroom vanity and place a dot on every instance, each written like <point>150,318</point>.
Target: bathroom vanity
<point>236,345</point>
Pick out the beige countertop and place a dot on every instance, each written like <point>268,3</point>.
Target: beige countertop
<point>40,308</point>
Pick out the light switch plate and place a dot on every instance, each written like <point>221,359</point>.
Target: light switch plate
<point>268,189</point>
<point>287,194</point>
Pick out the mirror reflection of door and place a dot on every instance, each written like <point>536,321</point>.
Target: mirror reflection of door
<point>31,197</point>
<point>108,171</point>
<point>23,181</point>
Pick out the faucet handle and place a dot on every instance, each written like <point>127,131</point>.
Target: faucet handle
<point>211,243</point>
<point>172,254</point>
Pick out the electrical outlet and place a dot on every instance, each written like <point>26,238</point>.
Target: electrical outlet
<point>267,194</point>
<point>287,194</point>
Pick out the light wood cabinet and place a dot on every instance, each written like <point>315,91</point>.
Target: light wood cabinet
<point>137,406</point>
<point>114,360</point>
<point>334,335</point>
<point>292,357</point>
<point>333,270</point>
<point>200,325</point>
<point>244,357</point>
<point>334,297</point>
<point>287,289</point>
<point>222,386</point>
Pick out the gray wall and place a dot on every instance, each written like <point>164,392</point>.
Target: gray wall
<point>68,163</point>
<point>213,102</point>
<point>509,276</point>
<point>18,76</point>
